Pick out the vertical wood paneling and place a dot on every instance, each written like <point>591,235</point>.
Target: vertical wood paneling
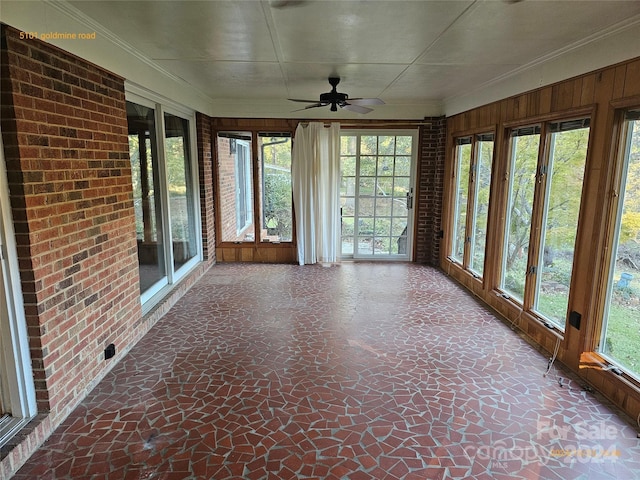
<point>621,73</point>
<point>562,96</point>
<point>587,91</point>
<point>632,81</point>
<point>578,91</point>
<point>534,103</point>
<point>545,100</point>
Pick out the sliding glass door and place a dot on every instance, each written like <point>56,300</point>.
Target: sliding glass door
<point>376,194</point>
<point>164,194</point>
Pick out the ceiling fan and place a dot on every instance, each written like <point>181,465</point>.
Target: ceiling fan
<point>342,100</point>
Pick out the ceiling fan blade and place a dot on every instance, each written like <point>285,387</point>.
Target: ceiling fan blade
<point>286,3</point>
<point>305,101</point>
<point>315,105</point>
<point>365,101</point>
<point>356,108</point>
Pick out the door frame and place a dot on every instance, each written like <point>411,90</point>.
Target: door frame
<point>409,256</point>
<point>15,360</point>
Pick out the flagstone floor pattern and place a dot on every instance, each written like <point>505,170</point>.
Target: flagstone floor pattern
<point>356,371</point>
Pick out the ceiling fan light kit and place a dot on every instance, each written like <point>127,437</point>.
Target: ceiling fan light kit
<point>336,99</point>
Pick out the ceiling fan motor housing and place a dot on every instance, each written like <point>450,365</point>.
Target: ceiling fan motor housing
<point>334,97</point>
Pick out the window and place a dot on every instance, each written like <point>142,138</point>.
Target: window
<point>481,186</point>
<point>235,187</point>
<point>545,189</point>
<point>164,194</point>
<point>463,165</point>
<point>564,171</point>
<point>524,159</point>
<point>254,211</point>
<point>474,156</point>
<point>620,337</point>
<point>275,181</point>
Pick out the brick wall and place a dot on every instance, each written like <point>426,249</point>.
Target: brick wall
<point>64,128</point>
<point>430,191</point>
<point>205,175</point>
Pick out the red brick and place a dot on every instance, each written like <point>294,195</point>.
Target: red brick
<point>60,117</point>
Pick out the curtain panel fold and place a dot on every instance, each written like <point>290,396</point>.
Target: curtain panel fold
<point>315,170</point>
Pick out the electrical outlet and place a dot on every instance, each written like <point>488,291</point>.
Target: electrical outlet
<point>110,351</point>
<point>574,319</point>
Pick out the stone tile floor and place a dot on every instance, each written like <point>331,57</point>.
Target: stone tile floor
<point>357,371</point>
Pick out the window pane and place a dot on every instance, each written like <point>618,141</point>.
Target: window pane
<point>463,163</point>
<point>347,205</point>
<point>235,187</point>
<point>385,186</point>
<point>386,145</point>
<point>347,246</point>
<point>383,206</point>
<point>567,157</point>
<point>348,145</point>
<point>481,186</point>
<point>368,166</point>
<point>621,327</point>
<point>277,206</point>
<point>401,187</point>
<point>348,187</point>
<point>403,167</point>
<point>368,145</point>
<point>143,150</point>
<point>403,147</point>
<point>348,166</point>
<point>383,227</point>
<point>367,186</point>
<point>180,183</point>
<point>524,159</point>
<point>385,166</point>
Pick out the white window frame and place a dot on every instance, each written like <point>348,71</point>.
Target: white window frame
<point>17,374</point>
<point>243,185</point>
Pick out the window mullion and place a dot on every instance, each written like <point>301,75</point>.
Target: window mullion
<point>471,201</point>
<point>256,176</point>
<point>165,212</point>
<point>540,198</point>
<point>546,173</point>
<point>356,200</point>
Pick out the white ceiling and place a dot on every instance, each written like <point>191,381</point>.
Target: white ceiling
<point>248,56</point>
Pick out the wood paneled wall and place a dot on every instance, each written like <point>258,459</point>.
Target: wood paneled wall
<point>601,95</point>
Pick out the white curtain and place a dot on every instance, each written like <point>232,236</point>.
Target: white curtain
<point>315,171</point>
